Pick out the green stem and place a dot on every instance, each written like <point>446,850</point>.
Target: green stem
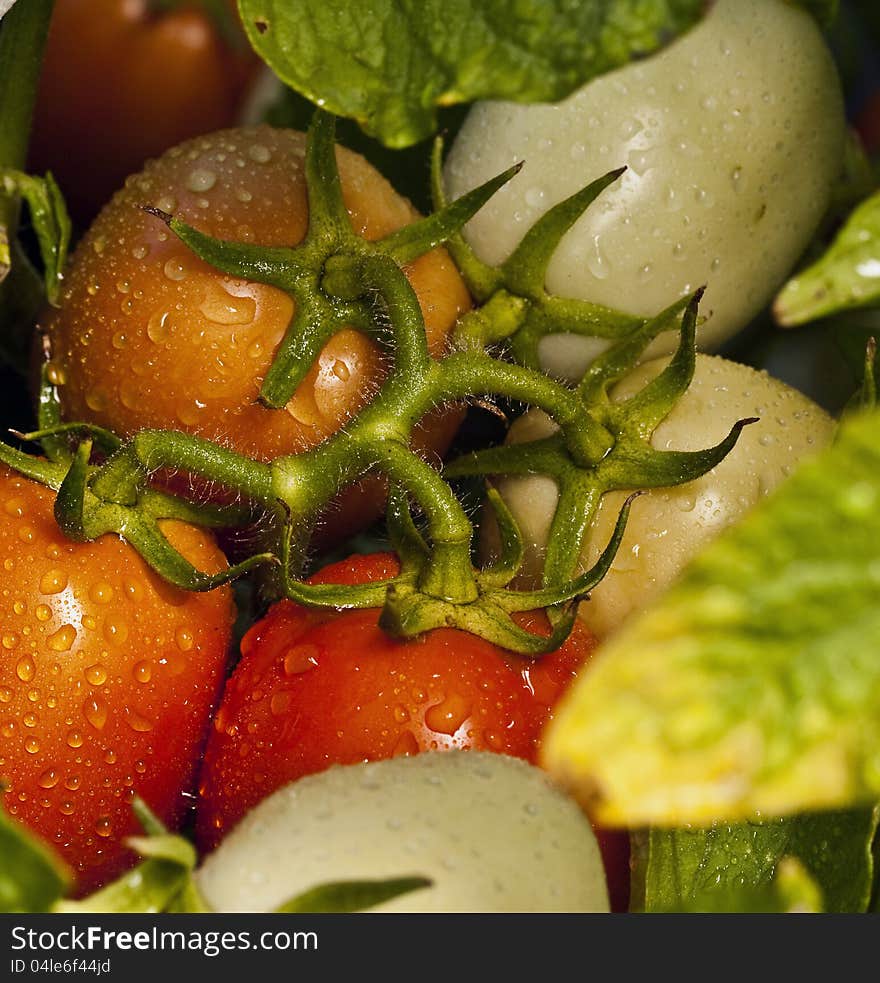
<point>466,373</point>
<point>23,34</point>
<point>155,449</point>
<point>449,575</point>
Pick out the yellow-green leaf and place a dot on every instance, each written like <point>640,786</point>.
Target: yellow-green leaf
<point>753,686</point>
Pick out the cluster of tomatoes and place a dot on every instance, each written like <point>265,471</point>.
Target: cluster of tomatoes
<point>115,684</point>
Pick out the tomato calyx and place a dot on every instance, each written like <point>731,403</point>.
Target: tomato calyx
<point>516,306</point>
<point>338,279</point>
<point>327,274</point>
<point>631,461</point>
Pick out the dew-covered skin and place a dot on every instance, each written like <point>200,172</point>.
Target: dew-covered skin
<point>732,138</point>
<point>668,526</point>
<point>316,688</point>
<point>107,680</point>
<point>493,834</point>
<point>148,335</point>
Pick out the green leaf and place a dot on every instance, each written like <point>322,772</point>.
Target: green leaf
<point>845,277</point>
<point>31,877</point>
<point>753,686</point>
<point>50,221</point>
<point>155,885</point>
<point>792,891</point>
<point>747,866</point>
<point>340,897</point>
<point>390,64</point>
<point>23,32</point>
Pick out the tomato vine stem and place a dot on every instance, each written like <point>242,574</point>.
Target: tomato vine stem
<point>336,280</point>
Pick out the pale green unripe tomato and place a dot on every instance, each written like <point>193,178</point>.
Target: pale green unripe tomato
<point>732,136</point>
<point>491,832</point>
<point>668,526</point>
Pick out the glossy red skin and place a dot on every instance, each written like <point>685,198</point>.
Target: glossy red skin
<point>108,678</point>
<point>120,84</point>
<point>317,688</point>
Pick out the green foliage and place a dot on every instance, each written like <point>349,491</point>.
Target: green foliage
<point>390,64</point>
<point>753,686</point>
<point>744,867</point>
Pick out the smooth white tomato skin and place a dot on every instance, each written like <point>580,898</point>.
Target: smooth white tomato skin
<point>491,832</point>
<point>732,138</point>
<point>668,526</point>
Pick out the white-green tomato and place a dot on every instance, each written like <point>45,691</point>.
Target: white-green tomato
<point>491,832</point>
<point>668,526</point>
<point>732,137</point>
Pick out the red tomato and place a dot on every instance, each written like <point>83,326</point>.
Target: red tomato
<point>317,688</point>
<point>121,83</point>
<point>108,677</point>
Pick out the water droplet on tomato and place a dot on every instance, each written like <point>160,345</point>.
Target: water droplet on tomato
<point>201,179</point>
<point>142,671</point>
<point>25,669</point>
<point>74,738</point>
<point>280,703</point>
<point>448,715</point>
<point>9,640</point>
<point>48,779</point>
<point>14,507</point>
<point>95,711</point>
<point>137,721</point>
<point>103,826</point>
<point>5,694</point>
<point>63,639</point>
<point>175,269</point>
<point>259,153</point>
<point>341,370</point>
<point>300,659</point>
<point>101,592</point>
<point>32,745</point>
<point>406,744</point>
<point>96,674</point>
<point>221,307</point>
<point>66,808</point>
<point>115,631</point>
<point>53,581</point>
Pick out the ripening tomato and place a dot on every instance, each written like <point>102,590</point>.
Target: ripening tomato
<point>108,677</point>
<point>317,688</point>
<point>122,81</point>
<point>148,335</point>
